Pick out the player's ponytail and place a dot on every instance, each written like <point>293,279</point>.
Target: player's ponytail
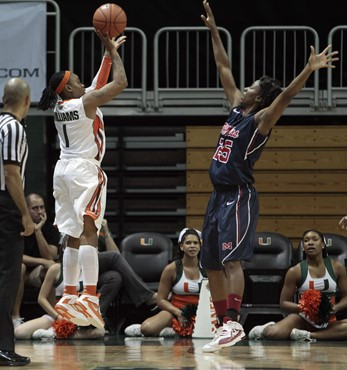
<point>49,96</point>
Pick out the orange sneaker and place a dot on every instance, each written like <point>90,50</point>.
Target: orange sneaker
<point>91,310</point>
<point>67,307</point>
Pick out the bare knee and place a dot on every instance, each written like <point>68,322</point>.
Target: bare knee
<point>275,332</point>
<point>233,265</point>
<point>270,332</point>
<point>147,329</point>
<point>89,235</point>
<point>215,275</point>
<point>21,333</point>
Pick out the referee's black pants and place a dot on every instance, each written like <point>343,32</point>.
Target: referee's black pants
<point>11,256</point>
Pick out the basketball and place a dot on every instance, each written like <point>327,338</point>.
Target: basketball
<point>110,18</point>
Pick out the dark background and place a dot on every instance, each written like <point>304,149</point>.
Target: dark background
<point>151,15</point>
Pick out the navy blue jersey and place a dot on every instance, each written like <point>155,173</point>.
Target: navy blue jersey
<point>239,147</point>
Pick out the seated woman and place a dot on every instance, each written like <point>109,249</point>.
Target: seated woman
<point>114,272</point>
<point>316,278</point>
<point>178,293</point>
<point>51,324</point>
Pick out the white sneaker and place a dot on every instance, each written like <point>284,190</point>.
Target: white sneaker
<point>229,334</point>
<point>133,330</point>
<point>301,335</point>
<point>43,333</point>
<point>257,332</point>
<point>68,308</point>
<point>167,333</point>
<point>91,309</point>
<point>17,322</point>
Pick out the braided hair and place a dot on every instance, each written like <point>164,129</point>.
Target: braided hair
<point>49,96</point>
<point>269,90</point>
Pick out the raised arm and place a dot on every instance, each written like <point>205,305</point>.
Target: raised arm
<point>109,241</point>
<point>233,94</point>
<point>97,97</point>
<point>47,250</point>
<point>267,118</point>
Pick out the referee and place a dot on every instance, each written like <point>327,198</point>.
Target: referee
<point>14,213</point>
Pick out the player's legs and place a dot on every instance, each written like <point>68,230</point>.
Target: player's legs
<point>236,212</point>
<point>218,286</point>
<point>88,257</point>
<point>236,284</point>
<point>237,220</point>
<point>80,192</point>
<point>209,257</point>
<point>67,222</point>
<point>67,306</point>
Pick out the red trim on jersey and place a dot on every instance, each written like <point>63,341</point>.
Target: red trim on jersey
<point>238,217</point>
<point>94,206</point>
<point>104,72</point>
<point>311,284</point>
<point>252,143</point>
<point>98,126</point>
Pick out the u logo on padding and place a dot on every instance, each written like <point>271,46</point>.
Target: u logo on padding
<point>144,242</point>
<point>262,242</point>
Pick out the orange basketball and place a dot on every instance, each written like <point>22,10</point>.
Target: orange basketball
<point>110,18</point>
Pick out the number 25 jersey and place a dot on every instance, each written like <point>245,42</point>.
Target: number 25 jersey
<point>239,146</point>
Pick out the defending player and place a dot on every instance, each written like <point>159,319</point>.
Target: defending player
<point>232,213</point>
<point>79,182</point>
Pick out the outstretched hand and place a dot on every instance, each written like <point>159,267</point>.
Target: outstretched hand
<point>111,44</point>
<point>209,20</point>
<point>322,60</point>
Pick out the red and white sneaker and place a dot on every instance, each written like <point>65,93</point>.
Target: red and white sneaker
<point>67,307</point>
<point>230,333</point>
<point>91,310</point>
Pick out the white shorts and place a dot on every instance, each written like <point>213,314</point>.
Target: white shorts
<point>79,189</point>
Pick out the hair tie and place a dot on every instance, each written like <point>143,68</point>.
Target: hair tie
<point>63,82</point>
<point>185,230</point>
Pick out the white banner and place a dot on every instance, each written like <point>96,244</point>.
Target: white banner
<point>23,45</point>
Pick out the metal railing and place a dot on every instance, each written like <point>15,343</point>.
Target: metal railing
<point>184,72</point>
<point>337,78</point>
<point>280,52</point>
<point>186,80</point>
<point>85,53</point>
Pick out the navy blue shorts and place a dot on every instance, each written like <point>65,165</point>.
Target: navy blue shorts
<point>229,227</point>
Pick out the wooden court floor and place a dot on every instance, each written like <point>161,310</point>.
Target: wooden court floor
<point>118,352</point>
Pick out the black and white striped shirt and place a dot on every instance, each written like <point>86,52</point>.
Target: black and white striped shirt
<point>13,145</point>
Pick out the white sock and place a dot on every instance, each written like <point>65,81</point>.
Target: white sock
<point>71,267</point>
<point>88,257</point>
